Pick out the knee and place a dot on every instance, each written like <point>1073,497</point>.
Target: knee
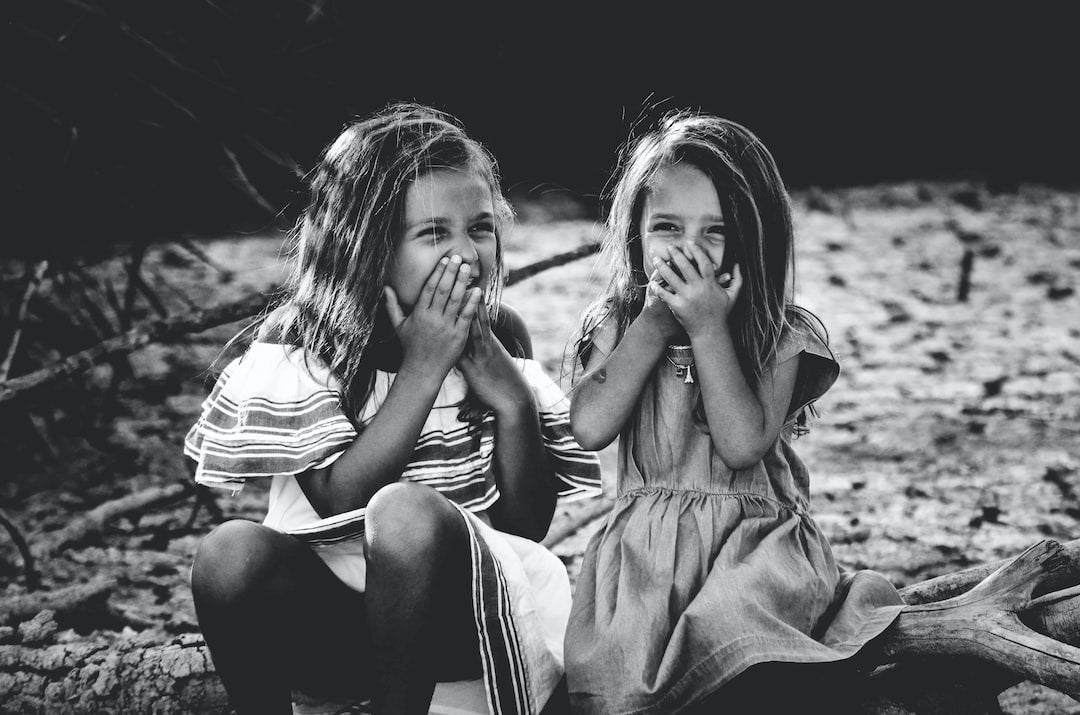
<point>232,563</point>
<point>408,523</point>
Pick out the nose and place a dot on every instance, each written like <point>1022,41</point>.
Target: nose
<point>463,246</point>
<point>687,241</point>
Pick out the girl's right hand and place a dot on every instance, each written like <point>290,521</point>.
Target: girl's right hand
<point>656,314</point>
<point>433,335</point>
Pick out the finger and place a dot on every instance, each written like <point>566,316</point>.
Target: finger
<point>484,316</point>
<point>660,290</point>
<point>393,308</point>
<point>457,292</point>
<point>665,271</point>
<point>446,283</point>
<point>733,287</point>
<point>705,267</point>
<point>427,295</point>
<point>685,265</point>
<point>468,311</point>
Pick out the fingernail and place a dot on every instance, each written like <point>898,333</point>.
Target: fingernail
<point>444,260</point>
<point>465,268</point>
<point>656,261</point>
<point>455,259</point>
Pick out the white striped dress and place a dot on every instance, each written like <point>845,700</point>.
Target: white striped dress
<point>274,414</point>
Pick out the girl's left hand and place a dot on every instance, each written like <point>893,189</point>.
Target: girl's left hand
<point>489,370</point>
<point>699,299</point>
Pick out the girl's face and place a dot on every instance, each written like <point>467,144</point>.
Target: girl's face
<point>681,207</point>
<point>447,213</point>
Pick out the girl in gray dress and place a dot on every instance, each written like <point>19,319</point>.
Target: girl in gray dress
<point>696,357</point>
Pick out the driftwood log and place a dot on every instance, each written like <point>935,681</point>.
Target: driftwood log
<point>82,596</point>
<point>955,655</point>
<point>952,655</point>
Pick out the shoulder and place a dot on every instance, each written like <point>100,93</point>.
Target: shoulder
<point>805,338</point>
<point>510,328</point>
<point>278,372</point>
<point>804,333</point>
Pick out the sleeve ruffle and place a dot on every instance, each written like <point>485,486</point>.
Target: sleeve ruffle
<point>818,368</point>
<point>577,470</point>
<point>270,413</point>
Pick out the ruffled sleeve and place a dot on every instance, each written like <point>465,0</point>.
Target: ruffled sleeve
<point>818,368</point>
<point>271,412</point>
<point>577,470</point>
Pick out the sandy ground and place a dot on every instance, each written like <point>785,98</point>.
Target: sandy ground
<point>951,438</point>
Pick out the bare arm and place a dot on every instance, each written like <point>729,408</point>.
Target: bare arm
<point>523,471</point>
<point>432,337</point>
<point>613,379</point>
<point>744,421</point>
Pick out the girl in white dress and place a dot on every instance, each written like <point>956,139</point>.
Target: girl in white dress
<point>415,449</point>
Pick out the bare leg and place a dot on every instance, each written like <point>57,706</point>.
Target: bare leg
<point>418,595</point>
<point>275,617</point>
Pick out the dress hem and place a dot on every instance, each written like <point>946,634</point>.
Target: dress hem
<point>871,628</point>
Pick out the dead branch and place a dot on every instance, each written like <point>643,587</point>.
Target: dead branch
<point>151,296</point>
<point>199,320</point>
<point>594,510</point>
<point>90,294</point>
<point>138,252</point>
<point>204,496</point>
<point>14,609</point>
<point>519,274</point>
<point>197,251</point>
<point>240,179</point>
<point>33,581</point>
<point>93,522</point>
<point>967,263</point>
<point>150,332</point>
<point>34,276</point>
<point>161,280</point>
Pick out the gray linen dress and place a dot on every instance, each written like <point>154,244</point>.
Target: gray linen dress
<point>701,571</point>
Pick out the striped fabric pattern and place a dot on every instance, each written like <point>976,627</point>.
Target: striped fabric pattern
<point>267,416</point>
<point>505,676</point>
<point>274,413</point>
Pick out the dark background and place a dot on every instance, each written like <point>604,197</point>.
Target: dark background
<point>137,121</point>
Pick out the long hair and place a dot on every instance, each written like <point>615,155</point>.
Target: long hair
<point>758,229</point>
<point>343,246</point>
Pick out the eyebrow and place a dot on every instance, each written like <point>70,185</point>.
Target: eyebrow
<point>442,221</point>
<point>707,217</point>
<point>424,222</point>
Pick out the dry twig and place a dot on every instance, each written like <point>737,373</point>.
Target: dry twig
<point>34,276</point>
<point>33,580</point>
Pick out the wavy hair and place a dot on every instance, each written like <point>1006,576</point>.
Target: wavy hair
<point>757,215</point>
<point>343,246</point>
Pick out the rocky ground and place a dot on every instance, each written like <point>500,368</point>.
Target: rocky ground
<point>951,438</point>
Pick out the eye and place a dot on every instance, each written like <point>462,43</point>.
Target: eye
<point>483,227</point>
<point>431,233</point>
<point>664,227</point>
<point>715,232</point>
